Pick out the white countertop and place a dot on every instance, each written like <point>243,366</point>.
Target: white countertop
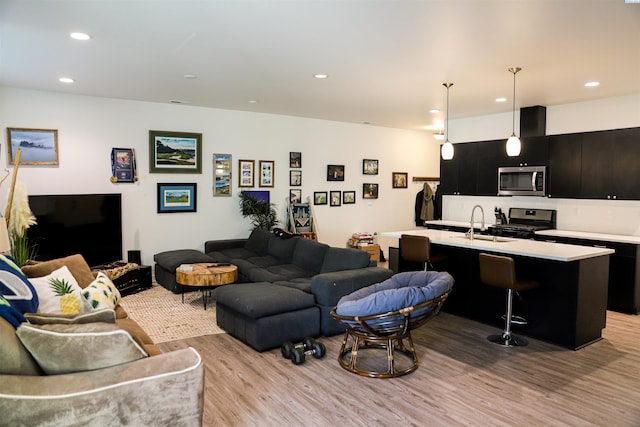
<point>513,246</point>
<point>618,238</point>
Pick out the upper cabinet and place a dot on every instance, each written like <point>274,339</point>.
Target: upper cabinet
<point>565,166</point>
<point>591,165</point>
<point>534,152</point>
<point>610,167</point>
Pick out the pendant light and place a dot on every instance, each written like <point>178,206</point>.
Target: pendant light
<point>513,143</point>
<point>447,147</point>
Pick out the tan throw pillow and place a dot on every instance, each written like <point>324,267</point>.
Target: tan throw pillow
<point>61,349</point>
<point>106,315</point>
<point>75,263</point>
<point>59,293</point>
<point>101,293</point>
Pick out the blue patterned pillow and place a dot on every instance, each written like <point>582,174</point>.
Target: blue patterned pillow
<point>16,288</point>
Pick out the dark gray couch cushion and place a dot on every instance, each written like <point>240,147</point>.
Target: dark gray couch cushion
<point>171,260</point>
<point>302,283</point>
<point>264,261</point>
<point>256,300</point>
<point>283,248</point>
<point>258,241</point>
<point>337,259</point>
<point>309,255</point>
<point>290,271</point>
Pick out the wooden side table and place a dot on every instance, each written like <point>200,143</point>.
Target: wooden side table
<point>374,250</point>
<point>205,275</point>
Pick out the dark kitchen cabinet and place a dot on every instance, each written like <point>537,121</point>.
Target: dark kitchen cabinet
<point>534,152</point>
<point>487,168</point>
<point>610,167</point>
<point>458,175</point>
<point>624,271</point>
<point>565,166</point>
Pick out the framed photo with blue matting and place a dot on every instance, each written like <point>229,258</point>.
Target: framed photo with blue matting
<point>173,198</point>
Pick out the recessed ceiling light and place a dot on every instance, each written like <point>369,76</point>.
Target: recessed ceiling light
<point>80,36</point>
<point>501,99</point>
<point>253,101</point>
<point>320,76</point>
<point>190,76</point>
<point>434,111</point>
<point>65,80</point>
<point>592,84</point>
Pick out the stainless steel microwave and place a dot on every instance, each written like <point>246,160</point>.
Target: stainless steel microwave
<point>522,181</point>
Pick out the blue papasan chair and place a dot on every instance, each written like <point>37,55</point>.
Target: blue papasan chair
<point>382,316</point>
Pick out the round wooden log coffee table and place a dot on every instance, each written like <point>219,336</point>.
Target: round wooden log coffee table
<point>205,275</point>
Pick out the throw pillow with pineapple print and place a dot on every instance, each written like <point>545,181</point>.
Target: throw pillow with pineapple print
<point>101,293</point>
<point>60,293</point>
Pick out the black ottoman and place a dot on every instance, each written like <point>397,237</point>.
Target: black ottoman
<point>264,315</point>
<point>167,262</point>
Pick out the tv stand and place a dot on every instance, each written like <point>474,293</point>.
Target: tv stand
<point>128,278</point>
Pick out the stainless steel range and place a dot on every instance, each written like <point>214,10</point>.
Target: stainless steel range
<point>525,222</point>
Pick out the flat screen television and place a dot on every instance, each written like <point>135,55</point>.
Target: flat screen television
<point>88,224</point>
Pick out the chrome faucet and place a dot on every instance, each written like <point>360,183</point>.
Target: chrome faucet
<point>473,211</point>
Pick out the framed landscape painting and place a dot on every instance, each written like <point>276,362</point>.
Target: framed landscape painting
<point>174,198</point>
<point>37,146</point>
<point>175,152</point>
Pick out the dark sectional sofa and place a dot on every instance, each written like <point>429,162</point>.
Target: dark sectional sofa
<point>286,286</point>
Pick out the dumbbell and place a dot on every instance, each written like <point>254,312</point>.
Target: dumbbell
<point>288,347</point>
<point>298,354</point>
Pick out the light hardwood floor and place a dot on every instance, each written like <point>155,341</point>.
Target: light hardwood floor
<point>463,380</point>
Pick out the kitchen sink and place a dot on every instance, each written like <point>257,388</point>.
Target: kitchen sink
<point>486,237</point>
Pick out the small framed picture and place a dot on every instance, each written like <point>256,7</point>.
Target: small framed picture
<point>335,172</point>
<point>334,198</point>
<point>320,198</point>
<point>123,165</point>
<point>295,178</point>
<point>175,152</point>
<point>245,176</point>
<point>266,173</point>
<point>369,191</point>
<point>37,146</point>
<point>348,197</point>
<point>399,179</point>
<point>222,175</point>
<point>369,167</point>
<point>174,198</point>
<point>295,159</point>
<point>295,195</point>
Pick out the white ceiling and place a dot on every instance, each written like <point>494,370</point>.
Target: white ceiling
<point>386,59</point>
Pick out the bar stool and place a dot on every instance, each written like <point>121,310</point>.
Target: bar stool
<point>416,249</point>
<point>500,271</point>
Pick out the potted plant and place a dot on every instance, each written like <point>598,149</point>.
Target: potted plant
<point>261,213</point>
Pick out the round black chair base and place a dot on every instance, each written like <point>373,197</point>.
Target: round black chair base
<point>508,341</point>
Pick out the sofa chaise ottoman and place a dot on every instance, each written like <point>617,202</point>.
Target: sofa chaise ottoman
<point>271,269</point>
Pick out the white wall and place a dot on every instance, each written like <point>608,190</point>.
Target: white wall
<point>601,216</point>
<point>89,127</point>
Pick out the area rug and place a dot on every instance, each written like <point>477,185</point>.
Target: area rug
<point>164,317</point>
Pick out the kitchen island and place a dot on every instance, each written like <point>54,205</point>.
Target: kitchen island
<point>568,309</point>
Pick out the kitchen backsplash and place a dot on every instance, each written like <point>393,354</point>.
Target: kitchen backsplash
<point>595,216</point>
